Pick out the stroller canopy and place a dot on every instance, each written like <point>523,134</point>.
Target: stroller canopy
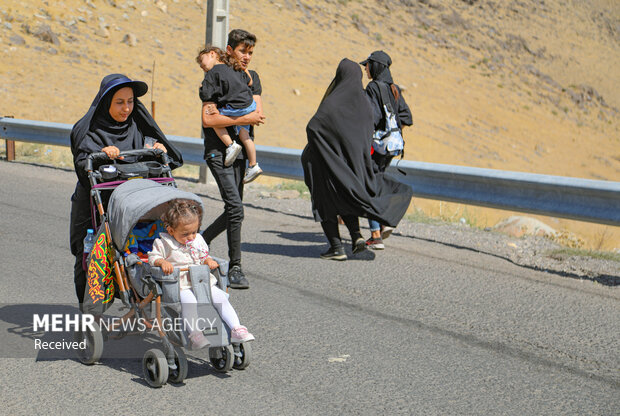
<point>136,198</point>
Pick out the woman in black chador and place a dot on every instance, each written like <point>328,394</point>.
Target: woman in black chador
<point>338,169</point>
<point>116,121</point>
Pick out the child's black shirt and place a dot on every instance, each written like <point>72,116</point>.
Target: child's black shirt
<point>225,86</point>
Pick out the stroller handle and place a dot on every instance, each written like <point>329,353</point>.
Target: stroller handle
<point>103,157</point>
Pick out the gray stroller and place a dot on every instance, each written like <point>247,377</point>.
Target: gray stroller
<point>154,298</point>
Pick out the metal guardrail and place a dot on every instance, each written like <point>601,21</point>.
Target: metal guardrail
<point>574,198</point>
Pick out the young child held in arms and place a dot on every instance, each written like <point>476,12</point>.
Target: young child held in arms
<point>226,84</point>
<point>182,246</point>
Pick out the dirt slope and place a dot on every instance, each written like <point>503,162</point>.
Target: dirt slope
<point>517,85</point>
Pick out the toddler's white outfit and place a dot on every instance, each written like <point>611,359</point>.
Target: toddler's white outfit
<point>168,248</point>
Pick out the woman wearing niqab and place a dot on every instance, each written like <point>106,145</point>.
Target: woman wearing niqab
<point>338,169</point>
<point>99,131</point>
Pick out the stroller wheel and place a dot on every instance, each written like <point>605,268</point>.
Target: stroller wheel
<point>155,368</point>
<point>243,355</point>
<point>222,358</point>
<point>180,373</point>
<point>93,340</point>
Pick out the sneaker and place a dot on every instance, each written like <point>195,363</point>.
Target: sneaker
<point>252,173</point>
<point>232,152</point>
<point>197,341</point>
<point>240,334</point>
<point>237,279</point>
<point>359,245</point>
<point>375,243</point>
<point>334,254</point>
<point>386,231</point>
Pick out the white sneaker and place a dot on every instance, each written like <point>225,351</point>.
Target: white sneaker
<point>232,152</point>
<point>240,334</point>
<point>386,231</point>
<point>252,173</point>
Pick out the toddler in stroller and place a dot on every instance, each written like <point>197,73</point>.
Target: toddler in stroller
<point>151,294</point>
<point>181,246</point>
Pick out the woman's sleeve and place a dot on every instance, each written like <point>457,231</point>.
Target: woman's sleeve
<point>158,251</point>
<point>404,113</point>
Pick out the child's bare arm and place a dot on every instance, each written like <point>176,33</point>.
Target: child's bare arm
<point>166,266</point>
<point>211,263</point>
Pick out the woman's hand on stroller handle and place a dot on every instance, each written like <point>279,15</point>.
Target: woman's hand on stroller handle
<point>112,152</point>
<point>103,156</point>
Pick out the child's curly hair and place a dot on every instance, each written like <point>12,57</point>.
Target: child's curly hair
<point>182,211</point>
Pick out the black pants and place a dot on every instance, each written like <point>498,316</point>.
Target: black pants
<point>80,222</point>
<point>330,228</point>
<point>230,183</point>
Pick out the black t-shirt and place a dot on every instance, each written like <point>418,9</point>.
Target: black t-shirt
<point>213,144</point>
<point>225,86</point>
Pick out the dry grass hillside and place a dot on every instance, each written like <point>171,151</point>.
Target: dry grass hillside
<point>524,85</point>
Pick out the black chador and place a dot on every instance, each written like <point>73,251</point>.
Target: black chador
<point>338,169</point>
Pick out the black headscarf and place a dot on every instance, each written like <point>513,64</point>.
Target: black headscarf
<point>97,129</point>
<point>337,166</point>
<point>380,72</point>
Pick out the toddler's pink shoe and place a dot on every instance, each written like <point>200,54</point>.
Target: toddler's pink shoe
<point>197,340</point>
<point>240,334</point>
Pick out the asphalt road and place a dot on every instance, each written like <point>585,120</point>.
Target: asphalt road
<point>421,328</point>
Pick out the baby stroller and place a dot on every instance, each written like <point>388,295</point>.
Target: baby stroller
<point>151,297</point>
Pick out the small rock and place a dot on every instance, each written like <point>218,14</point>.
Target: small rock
<point>8,25</point>
<point>52,51</point>
<point>161,6</point>
<point>17,40</point>
<point>103,32</point>
<point>130,39</point>
<point>44,32</point>
<point>144,13</point>
<point>361,27</point>
<point>518,226</point>
<point>296,92</point>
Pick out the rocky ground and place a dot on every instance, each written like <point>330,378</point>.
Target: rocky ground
<point>529,251</point>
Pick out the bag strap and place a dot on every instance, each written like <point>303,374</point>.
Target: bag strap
<point>383,94</point>
<point>385,100</point>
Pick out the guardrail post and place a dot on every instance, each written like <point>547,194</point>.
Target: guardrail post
<point>10,146</point>
<point>202,174</point>
<point>10,150</point>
